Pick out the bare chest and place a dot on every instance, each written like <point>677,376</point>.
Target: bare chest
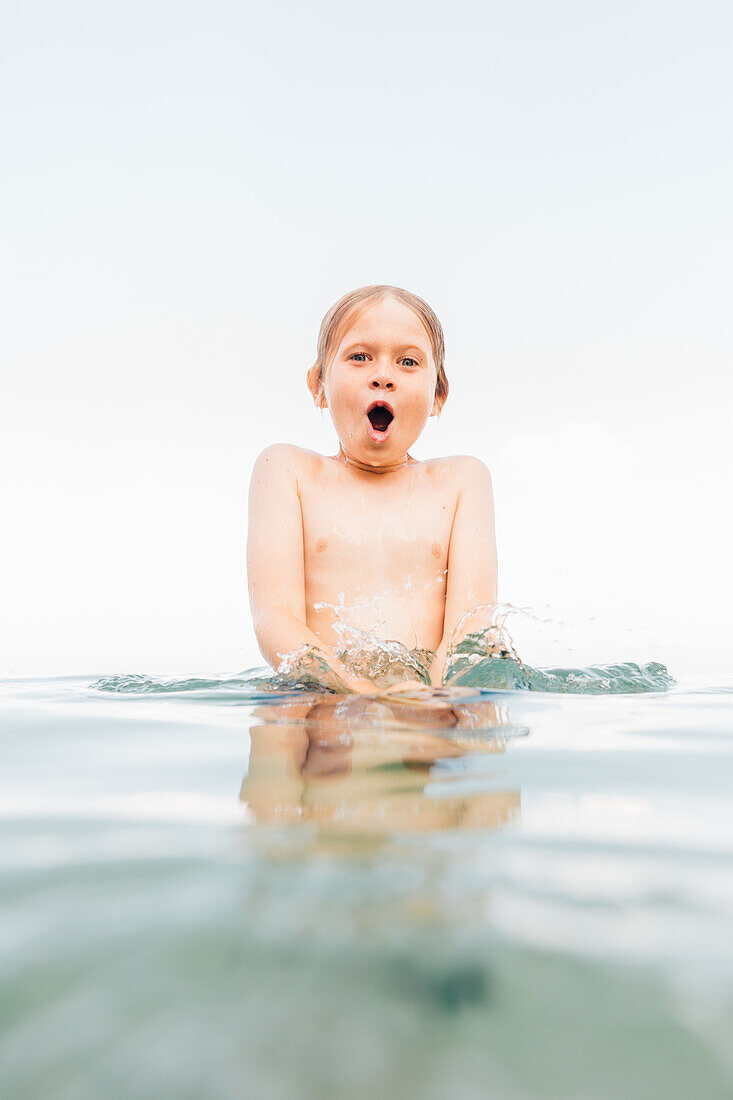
<point>376,555</point>
<point>375,530</point>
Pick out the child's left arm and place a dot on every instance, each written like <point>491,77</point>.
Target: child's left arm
<point>472,566</point>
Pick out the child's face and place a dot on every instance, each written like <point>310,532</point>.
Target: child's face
<point>384,364</point>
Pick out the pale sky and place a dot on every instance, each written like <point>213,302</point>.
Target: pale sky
<point>187,188</point>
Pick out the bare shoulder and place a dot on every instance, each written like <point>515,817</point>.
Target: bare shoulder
<point>280,456</point>
<point>284,460</point>
<point>462,472</point>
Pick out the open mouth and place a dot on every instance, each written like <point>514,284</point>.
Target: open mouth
<point>380,417</point>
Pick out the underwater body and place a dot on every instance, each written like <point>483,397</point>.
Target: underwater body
<point>518,885</point>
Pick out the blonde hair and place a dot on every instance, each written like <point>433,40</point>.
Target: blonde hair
<point>335,322</point>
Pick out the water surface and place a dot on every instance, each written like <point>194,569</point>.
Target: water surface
<point>213,889</point>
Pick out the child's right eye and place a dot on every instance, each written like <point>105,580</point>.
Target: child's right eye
<point>357,353</point>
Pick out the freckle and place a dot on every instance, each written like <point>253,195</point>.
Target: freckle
<point>321,545</point>
<point>436,549</point>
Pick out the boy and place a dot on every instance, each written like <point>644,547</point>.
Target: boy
<point>369,539</point>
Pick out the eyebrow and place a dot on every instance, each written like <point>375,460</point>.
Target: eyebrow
<point>400,347</point>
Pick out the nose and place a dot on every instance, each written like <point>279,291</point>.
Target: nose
<point>381,379</point>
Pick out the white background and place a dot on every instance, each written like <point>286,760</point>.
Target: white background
<point>188,187</point>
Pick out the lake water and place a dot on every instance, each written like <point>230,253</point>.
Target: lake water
<point>215,891</point>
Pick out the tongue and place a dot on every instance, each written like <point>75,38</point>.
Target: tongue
<point>380,418</point>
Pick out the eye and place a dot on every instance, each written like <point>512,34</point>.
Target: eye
<point>360,356</point>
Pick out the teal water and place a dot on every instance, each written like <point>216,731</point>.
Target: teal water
<point>227,887</point>
<point>622,678</point>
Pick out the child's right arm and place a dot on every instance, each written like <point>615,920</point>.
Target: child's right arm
<point>275,564</point>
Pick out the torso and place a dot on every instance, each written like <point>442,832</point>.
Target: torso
<point>376,548</point>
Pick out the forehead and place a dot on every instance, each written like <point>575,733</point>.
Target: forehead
<point>385,322</point>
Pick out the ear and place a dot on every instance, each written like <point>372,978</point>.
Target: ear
<point>316,388</point>
<point>437,406</point>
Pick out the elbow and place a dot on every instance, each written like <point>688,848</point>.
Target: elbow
<point>278,633</point>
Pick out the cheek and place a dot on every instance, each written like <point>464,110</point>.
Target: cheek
<point>339,401</point>
<point>337,389</point>
<point>422,404</point>
<point>341,407</point>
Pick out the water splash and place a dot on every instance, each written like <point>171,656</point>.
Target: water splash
<point>489,637</point>
<point>251,685</point>
<point>388,663</point>
<point>506,674</point>
<point>486,657</point>
<point>380,660</point>
<point>482,655</point>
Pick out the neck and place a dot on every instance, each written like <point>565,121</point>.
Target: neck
<point>382,469</point>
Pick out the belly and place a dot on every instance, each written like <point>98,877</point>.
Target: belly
<point>404,602</point>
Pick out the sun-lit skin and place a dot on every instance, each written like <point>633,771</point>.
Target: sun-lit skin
<point>368,539</point>
<point>384,356</point>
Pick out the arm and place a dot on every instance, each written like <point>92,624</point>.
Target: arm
<point>472,566</point>
<point>275,565</point>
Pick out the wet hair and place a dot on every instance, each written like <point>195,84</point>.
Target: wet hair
<point>348,308</point>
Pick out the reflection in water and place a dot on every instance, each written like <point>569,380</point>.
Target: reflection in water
<point>356,765</point>
<point>154,947</point>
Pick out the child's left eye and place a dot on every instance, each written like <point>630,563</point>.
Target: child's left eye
<point>413,362</point>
